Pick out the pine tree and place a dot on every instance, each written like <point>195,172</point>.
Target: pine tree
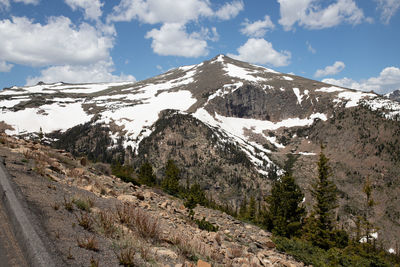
<point>285,212</point>
<point>243,208</point>
<point>146,175</point>
<point>170,184</point>
<point>320,225</point>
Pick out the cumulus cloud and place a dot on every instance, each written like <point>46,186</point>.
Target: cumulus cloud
<point>229,10</point>
<point>57,42</point>
<point>5,67</point>
<point>388,8</point>
<point>172,11</point>
<point>173,40</point>
<point>97,72</point>
<point>337,67</point>
<point>260,51</point>
<point>387,81</point>
<point>257,28</point>
<point>311,15</point>
<point>160,11</point>
<point>92,8</point>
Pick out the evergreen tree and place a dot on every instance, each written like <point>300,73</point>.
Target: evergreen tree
<point>285,214</point>
<point>320,225</point>
<point>243,208</point>
<point>170,184</point>
<point>146,174</point>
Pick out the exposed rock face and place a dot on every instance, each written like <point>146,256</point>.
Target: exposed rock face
<point>395,95</point>
<point>219,166</point>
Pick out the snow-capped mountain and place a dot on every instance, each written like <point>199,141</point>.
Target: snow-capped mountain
<point>228,124</point>
<point>395,95</point>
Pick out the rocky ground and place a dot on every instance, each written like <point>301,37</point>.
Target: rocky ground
<point>92,218</point>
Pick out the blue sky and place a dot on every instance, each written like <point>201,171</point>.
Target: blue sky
<point>352,43</point>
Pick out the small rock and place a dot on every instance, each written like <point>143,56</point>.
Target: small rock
<point>166,253</point>
<point>201,263</point>
<point>127,198</point>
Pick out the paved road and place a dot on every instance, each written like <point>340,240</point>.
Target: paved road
<point>10,252</point>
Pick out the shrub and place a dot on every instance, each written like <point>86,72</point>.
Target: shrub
<point>206,225</point>
<point>84,205</point>
<point>146,225</point>
<point>86,221</point>
<point>106,222</point>
<point>126,257</point>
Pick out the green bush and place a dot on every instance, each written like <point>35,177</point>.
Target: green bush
<point>356,255</point>
<point>206,225</point>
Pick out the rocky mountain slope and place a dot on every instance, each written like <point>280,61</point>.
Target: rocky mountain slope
<point>227,124</point>
<point>90,217</point>
<point>395,95</point>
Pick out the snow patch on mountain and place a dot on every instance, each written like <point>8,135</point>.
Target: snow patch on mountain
<point>331,89</point>
<point>138,119</point>
<point>48,117</point>
<point>353,97</point>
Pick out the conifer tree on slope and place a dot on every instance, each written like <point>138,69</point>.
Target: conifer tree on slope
<point>146,175</point>
<point>285,212</point>
<point>170,184</point>
<point>320,225</point>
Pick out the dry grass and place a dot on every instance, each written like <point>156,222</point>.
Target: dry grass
<point>140,221</point>
<point>86,221</point>
<point>89,243</point>
<point>106,223</point>
<point>146,225</point>
<point>124,213</point>
<point>126,257</point>
<point>68,204</point>
<point>184,246</point>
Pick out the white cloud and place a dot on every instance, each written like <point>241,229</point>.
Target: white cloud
<point>5,67</point>
<point>160,11</point>
<point>310,48</point>
<point>229,10</point>
<point>5,4</point>
<point>33,2</point>
<point>57,42</point>
<point>388,9</point>
<point>92,8</point>
<point>98,72</point>
<point>260,51</point>
<point>311,15</point>
<point>172,11</point>
<point>173,40</point>
<point>337,67</point>
<point>257,28</point>
<point>387,81</point>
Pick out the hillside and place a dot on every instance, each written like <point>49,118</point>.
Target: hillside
<point>233,123</point>
<point>88,216</point>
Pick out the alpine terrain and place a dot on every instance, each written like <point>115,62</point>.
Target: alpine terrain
<point>230,127</point>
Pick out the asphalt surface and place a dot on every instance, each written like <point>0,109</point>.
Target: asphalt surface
<point>14,219</point>
<point>10,251</point>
